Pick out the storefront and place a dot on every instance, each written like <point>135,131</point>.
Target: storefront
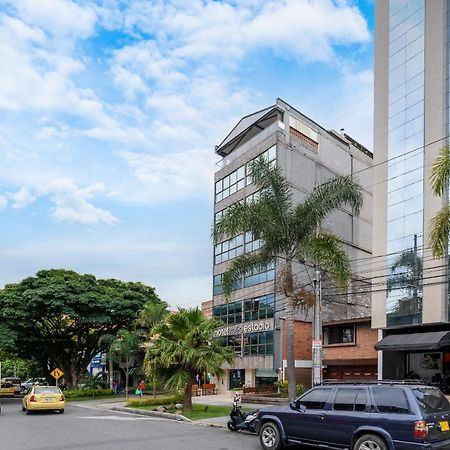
<point>419,355</point>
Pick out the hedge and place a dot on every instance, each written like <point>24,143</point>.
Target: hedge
<point>88,393</point>
<point>158,401</point>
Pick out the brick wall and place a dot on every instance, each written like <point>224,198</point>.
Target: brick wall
<point>366,338</point>
<point>302,340</point>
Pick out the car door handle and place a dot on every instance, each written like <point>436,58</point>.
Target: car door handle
<point>321,416</point>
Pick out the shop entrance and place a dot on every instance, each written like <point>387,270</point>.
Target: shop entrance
<point>237,378</point>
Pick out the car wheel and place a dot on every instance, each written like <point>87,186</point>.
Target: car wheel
<point>23,408</point>
<point>61,411</point>
<point>28,412</point>
<point>269,437</point>
<point>370,442</point>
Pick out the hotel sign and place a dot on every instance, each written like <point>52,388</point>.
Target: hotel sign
<point>255,326</point>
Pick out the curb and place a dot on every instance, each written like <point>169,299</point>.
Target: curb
<point>143,412</point>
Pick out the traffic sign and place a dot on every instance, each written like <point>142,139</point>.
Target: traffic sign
<point>57,373</point>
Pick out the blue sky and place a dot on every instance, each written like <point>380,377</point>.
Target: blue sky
<point>110,110</point>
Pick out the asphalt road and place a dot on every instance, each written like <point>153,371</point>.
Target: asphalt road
<point>93,429</point>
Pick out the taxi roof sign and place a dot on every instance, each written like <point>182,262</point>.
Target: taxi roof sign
<point>57,373</point>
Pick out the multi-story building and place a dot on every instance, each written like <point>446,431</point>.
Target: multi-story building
<point>411,124</point>
<point>308,155</point>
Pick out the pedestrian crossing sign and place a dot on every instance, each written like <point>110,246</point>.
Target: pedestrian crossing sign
<point>57,373</point>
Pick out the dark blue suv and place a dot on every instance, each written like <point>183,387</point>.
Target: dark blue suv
<point>378,416</point>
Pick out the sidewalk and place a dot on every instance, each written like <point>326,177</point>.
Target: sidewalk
<point>225,400</point>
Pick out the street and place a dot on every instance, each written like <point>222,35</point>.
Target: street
<point>83,428</point>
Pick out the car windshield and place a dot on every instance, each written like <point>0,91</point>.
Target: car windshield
<point>46,390</point>
<point>431,400</point>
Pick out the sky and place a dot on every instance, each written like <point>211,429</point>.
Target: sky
<point>110,111</point>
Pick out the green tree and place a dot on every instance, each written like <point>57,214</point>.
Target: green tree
<point>58,317</point>
<point>123,348</point>
<point>184,344</point>
<point>15,366</point>
<point>151,315</point>
<point>440,224</point>
<point>289,233</point>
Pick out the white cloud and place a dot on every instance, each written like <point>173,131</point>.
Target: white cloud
<point>58,17</point>
<point>3,201</point>
<point>23,197</point>
<point>72,204</point>
<point>171,176</point>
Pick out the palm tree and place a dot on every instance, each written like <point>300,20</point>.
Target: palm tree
<point>151,314</point>
<point>440,224</point>
<point>184,344</point>
<point>289,233</point>
<point>122,350</point>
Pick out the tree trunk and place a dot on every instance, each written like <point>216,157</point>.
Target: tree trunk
<point>290,357</point>
<point>111,371</point>
<point>127,370</point>
<point>187,400</point>
<point>154,387</point>
<point>74,378</point>
<point>288,287</point>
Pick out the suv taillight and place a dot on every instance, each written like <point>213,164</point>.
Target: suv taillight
<point>32,399</point>
<point>420,429</point>
<point>61,399</point>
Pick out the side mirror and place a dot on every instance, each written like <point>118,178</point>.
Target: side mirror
<point>293,405</point>
<point>302,408</point>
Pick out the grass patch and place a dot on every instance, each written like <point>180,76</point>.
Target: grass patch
<point>201,411</point>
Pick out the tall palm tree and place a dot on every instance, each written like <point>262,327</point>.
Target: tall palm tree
<point>184,344</point>
<point>122,350</point>
<point>289,233</point>
<point>150,315</point>
<point>440,224</point>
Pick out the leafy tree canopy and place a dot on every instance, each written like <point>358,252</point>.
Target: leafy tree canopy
<point>58,317</point>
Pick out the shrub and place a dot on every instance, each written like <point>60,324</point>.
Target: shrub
<point>282,386</point>
<point>159,401</point>
<point>86,392</point>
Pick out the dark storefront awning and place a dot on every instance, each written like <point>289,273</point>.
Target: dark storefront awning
<point>414,341</point>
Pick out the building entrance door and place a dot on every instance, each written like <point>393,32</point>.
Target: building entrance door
<point>237,378</point>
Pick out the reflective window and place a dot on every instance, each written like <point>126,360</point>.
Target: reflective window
<point>405,153</point>
<point>315,399</point>
<point>258,343</point>
<point>339,334</point>
<point>390,400</point>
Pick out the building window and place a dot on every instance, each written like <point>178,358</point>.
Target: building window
<point>229,249</point>
<point>258,343</point>
<point>339,334</point>
<point>256,277</point>
<point>236,180</point>
<point>270,155</point>
<point>259,307</point>
<point>229,312</point>
<point>235,342</point>
<point>217,284</point>
<point>230,184</point>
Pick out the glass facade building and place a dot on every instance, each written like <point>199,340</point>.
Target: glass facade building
<point>405,174</point>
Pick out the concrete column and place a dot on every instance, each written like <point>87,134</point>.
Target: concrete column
<point>380,146</point>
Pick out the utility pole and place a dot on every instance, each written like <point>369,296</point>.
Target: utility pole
<point>416,278</point>
<point>317,331</point>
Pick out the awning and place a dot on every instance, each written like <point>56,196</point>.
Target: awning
<point>414,341</point>
<point>268,373</point>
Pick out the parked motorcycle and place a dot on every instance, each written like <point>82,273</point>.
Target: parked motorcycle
<point>240,421</point>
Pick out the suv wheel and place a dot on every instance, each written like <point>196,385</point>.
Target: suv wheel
<point>269,437</point>
<point>370,442</point>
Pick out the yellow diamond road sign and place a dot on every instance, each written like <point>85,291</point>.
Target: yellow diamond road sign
<point>57,373</point>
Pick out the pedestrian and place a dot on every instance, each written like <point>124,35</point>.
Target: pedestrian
<point>120,387</point>
<point>114,385</point>
<point>141,387</point>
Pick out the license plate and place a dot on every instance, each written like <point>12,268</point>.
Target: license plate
<point>49,400</point>
<point>444,425</point>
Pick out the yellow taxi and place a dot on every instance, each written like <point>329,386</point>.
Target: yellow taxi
<point>39,398</point>
<point>6,389</point>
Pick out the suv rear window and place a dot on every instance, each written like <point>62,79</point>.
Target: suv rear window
<point>390,400</point>
<point>350,400</point>
<point>431,400</point>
